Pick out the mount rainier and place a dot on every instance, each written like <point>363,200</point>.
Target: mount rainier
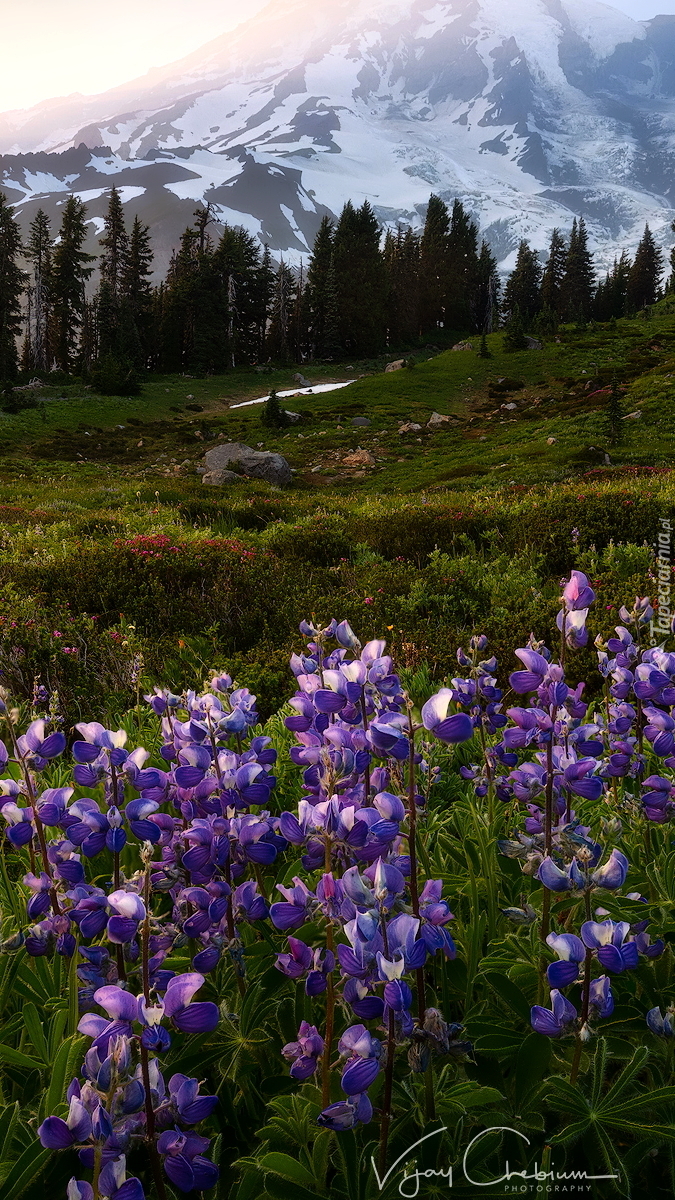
<point>531,112</point>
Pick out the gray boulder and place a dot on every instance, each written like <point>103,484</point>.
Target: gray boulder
<point>220,478</point>
<point>362,422</point>
<point>255,464</point>
<point>301,380</point>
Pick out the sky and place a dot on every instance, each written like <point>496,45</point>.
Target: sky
<point>55,47</point>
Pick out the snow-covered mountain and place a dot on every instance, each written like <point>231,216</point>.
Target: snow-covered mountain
<point>531,111</point>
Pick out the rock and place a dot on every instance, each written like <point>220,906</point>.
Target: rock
<point>293,417</point>
<point>315,470</point>
<point>257,464</point>
<point>510,406</point>
<point>360,458</point>
<point>436,420</point>
<point>361,422</point>
<point>202,471</point>
<point>395,366</point>
<point>219,478</point>
<point>410,427</point>
<point>190,397</point>
<point>298,378</point>
<point>635,416</point>
<point>463,346</point>
<point>533,344</point>
<point>551,441</point>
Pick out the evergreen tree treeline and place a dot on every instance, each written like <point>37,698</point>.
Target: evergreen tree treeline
<point>224,302</point>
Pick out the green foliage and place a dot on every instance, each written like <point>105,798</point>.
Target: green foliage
<point>112,376</point>
<point>272,414</point>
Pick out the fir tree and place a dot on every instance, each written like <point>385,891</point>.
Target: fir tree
<point>523,288</point>
<point>273,415</point>
<point>610,297</point>
<point>484,350</point>
<point>578,284</point>
<point>12,280</point>
<point>644,279</point>
<point>401,263</point>
<point>115,243</point>
<point>360,280</point>
<point>554,274</point>
<point>280,336</point>
<point>70,273</point>
<point>462,269</point>
<point>317,286</point>
<point>434,266</point>
<point>137,290</point>
<point>514,335</point>
<point>38,251</point>
<point>485,303</point>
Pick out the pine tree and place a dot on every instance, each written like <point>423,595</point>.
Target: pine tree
<point>670,282</point>
<point>434,266</point>
<point>578,284</point>
<point>462,269</point>
<point>137,290</point>
<point>644,279</point>
<point>12,280</point>
<point>610,296</point>
<point>484,350</point>
<point>401,258</point>
<point>280,337</point>
<point>523,288</point>
<point>70,273</point>
<point>115,243</point>
<point>273,415</point>
<point>38,251</point>
<point>317,284</point>
<point>514,335</point>
<point>554,274</point>
<point>485,303</point>
<point>360,280</point>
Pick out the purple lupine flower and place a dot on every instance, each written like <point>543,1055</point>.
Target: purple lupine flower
<point>608,940</point>
<point>184,1162</point>
<point>600,996</point>
<point>553,1022</point>
<point>57,1134</point>
<point>452,730</point>
<point>189,1106</point>
<point>304,1054</point>
<point>345,1114</point>
<point>662,1024</point>
<point>201,1017</point>
<point>292,913</point>
<point>571,952</point>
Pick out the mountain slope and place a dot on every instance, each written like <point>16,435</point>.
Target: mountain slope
<point>530,114</point>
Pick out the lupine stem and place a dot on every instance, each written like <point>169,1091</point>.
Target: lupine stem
<point>585,999</point>
<point>330,997</point>
<point>30,790</point>
<point>412,846</point>
<point>388,1088</point>
<point>145,1064</point>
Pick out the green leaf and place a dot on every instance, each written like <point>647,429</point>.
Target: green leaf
<point>511,993</point>
<point>61,1073</point>
<point>8,1122</point>
<point>26,1168</point>
<point>17,1059</point>
<point>36,1034</point>
<point>533,1062</point>
<point>289,1168</point>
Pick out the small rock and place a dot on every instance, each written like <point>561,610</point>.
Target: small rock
<point>139,443</point>
<point>218,478</point>
<point>510,406</point>
<point>315,470</point>
<point>292,416</point>
<point>436,420</point>
<point>360,458</point>
<point>463,346</point>
<point>298,378</point>
<point>533,344</point>
<point>551,441</point>
<point>190,397</point>
<point>634,416</point>
<point>395,366</point>
<point>410,427</point>
<point>362,422</point>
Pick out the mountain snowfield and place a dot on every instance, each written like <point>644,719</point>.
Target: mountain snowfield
<point>530,111</point>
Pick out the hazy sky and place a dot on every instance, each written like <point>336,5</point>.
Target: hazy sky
<point>54,47</point>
